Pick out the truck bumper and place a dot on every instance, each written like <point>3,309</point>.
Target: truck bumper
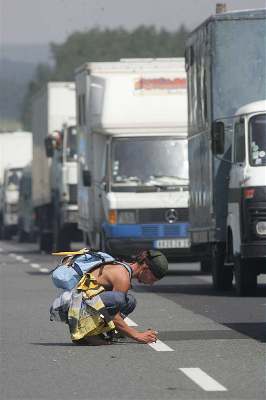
<point>128,240</point>
<point>254,250</point>
<point>129,247</point>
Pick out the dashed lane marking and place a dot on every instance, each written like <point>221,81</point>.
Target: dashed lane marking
<point>25,260</point>
<point>160,346</point>
<point>44,270</point>
<point>36,266</point>
<point>130,322</point>
<point>1,250</point>
<point>202,379</point>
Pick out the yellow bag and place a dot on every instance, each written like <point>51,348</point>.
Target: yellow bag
<point>87,315</point>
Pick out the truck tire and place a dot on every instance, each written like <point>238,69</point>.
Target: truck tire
<point>22,236</point>
<point>46,242</point>
<point>102,242</point>
<point>222,275</point>
<point>62,240</point>
<point>245,277</point>
<point>5,233</point>
<point>206,265</point>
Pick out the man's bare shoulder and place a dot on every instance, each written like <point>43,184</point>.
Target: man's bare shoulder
<point>118,276</point>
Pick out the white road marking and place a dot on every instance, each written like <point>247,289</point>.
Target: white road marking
<point>12,255</point>
<point>44,269</point>
<point>160,346</point>
<point>18,257</point>
<point>35,266</point>
<point>202,379</point>
<point>1,250</point>
<point>130,322</point>
<point>25,260</point>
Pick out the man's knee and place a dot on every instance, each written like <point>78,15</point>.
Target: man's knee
<point>119,301</point>
<point>131,301</point>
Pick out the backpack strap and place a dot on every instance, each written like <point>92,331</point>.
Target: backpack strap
<point>127,266</point>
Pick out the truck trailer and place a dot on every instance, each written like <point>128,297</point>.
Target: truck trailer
<point>226,71</point>
<point>133,163</point>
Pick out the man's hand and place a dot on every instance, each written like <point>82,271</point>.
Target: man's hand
<point>148,336</point>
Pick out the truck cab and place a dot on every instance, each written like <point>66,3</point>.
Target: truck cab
<point>144,194</point>
<point>61,147</point>
<point>246,219</point>
<point>10,199</point>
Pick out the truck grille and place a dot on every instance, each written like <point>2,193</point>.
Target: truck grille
<point>256,214</point>
<point>164,231</point>
<point>159,215</point>
<point>150,231</point>
<point>72,194</point>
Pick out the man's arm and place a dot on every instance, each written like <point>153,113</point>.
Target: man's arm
<point>121,283</point>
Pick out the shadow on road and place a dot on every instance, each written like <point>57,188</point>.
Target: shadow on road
<point>255,330</point>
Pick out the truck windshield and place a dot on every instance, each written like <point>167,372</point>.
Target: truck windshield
<point>71,143</point>
<point>13,177</point>
<point>257,140</point>
<point>154,162</point>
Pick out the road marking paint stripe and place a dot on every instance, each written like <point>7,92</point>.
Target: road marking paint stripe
<point>130,322</point>
<point>35,265</point>
<point>1,250</point>
<point>44,269</point>
<point>202,379</point>
<point>12,255</point>
<point>25,260</point>
<point>160,346</point>
<point>18,257</point>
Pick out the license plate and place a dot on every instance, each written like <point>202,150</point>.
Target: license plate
<point>172,243</point>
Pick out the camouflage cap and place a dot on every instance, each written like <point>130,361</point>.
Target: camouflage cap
<point>157,263</point>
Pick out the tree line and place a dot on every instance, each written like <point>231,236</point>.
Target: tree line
<point>102,45</point>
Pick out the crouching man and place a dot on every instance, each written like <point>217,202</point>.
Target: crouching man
<point>105,288</point>
<point>149,267</point>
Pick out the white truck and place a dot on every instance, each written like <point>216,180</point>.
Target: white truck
<point>133,165</point>
<point>15,153</point>
<point>225,62</point>
<point>54,168</point>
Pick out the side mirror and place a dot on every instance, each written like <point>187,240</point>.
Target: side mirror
<point>104,185</point>
<point>218,138</point>
<point>86,176</point>
<point>49,147</point>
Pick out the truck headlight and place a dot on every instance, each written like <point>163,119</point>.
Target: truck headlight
<point>126,217</point>
<point>261,228</point>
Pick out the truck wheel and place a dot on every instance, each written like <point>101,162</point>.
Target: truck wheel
<point>206,265</point>
<point>102,242</point>
<point>6,234</point>
<point>62,240</point>
<point>222,276</point>
<point>245,277</point>
<point>22,235</point>
<point>46,242</point>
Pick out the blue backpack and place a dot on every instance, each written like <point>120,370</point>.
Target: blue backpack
<point>66,277</point>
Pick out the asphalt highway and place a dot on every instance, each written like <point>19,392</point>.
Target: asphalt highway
<point>211,344</point>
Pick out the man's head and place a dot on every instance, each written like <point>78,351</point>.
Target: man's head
<point>154,266</point>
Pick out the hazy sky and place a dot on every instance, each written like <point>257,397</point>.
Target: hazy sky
<point>43,21</point>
